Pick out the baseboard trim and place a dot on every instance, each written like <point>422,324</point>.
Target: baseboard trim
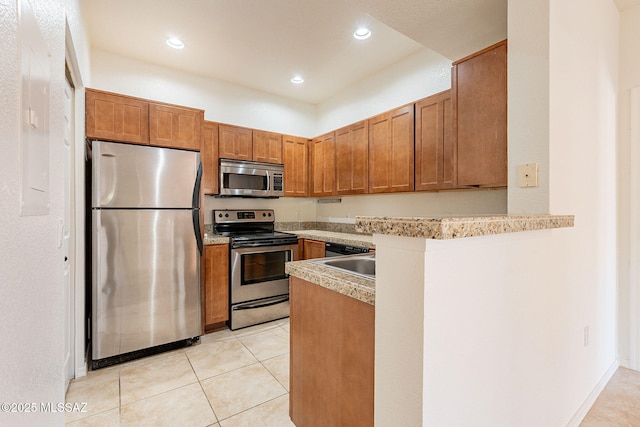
<point>588,403</point>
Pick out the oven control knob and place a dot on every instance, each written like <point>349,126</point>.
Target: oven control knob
<point>264,214</point>
<point>226,215</point>
<point>269,213</point>
<point>219,215</point>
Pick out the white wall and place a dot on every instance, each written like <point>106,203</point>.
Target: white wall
<point>31,286</point>
<point>629,78</point>
<point>583,135</point>
<point>483,202</point>
<point>504,336</point>
<point>286,209</point>
<point>417,76</point>
<point>222,102</point>
<point>509,327</point>
<point>528,118</point>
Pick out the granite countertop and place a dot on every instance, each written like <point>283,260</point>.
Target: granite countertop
<point>213,239</point>
<point>336,237</point>
<point>358,287</point>
<point>459,227</point>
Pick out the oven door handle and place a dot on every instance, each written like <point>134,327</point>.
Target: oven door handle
<point>259,305</point>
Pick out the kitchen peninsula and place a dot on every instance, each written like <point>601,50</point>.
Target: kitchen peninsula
<point>438,298</point>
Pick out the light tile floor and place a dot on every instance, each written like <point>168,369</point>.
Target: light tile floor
<point>241,378</point>
<point>230,379</point>
<point>619,403</point>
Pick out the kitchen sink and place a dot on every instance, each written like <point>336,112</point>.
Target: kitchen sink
<point>360,264</point>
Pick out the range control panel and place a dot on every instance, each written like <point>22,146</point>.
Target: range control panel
<point>235,216</point>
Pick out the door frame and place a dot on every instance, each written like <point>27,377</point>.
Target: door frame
<point>634,233</point>
<point>67,232</point>
<point>78,258</point>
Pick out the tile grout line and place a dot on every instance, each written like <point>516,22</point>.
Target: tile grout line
<point>254,407</point>
<point>202,388</point>
<point>286,392</point>
<point>233,337</point>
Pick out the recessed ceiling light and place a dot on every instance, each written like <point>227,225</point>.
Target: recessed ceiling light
<point>175,43</point>
<point>297,79</point>
<point>362,33</point>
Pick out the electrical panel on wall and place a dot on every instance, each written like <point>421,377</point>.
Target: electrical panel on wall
<point>34,114</point>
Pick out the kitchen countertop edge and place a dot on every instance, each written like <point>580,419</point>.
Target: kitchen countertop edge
<point>459,227</point>
<point>354,286</point>
<point>363,240</point>
<point>212,239</point>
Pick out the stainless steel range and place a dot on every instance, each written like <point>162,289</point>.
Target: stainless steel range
<point>259,288</point>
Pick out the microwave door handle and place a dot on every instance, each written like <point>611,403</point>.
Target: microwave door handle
<point>268,182</point>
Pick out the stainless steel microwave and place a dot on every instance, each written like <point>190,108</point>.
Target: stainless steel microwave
<point>251,179</point>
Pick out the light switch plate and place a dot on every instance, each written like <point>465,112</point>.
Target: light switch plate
<point>528,175</point>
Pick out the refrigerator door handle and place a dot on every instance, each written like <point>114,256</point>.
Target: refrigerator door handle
<point>196,229</point>
<point>195,203</point>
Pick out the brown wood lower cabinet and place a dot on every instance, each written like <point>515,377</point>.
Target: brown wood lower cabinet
<point>332,358</point>
<point>216,288</point>
<point>313,249</point>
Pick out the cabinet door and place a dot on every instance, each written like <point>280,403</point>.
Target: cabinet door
<point>391,151</point>
<point>352,158</point>
<point>209,157</point>
<point>296,166</point>
<point>323,166</point>
<point>114,117</point>
<point>331,358</point>
<point>313,249</point>
<point>480,104</point>
<point>216,283</point>
<point>435,163</point>
<point>267,147</point>
<point>235,143</point>
<point>175,127</point>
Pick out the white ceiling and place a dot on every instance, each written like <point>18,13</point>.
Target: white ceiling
<point>262,43</point>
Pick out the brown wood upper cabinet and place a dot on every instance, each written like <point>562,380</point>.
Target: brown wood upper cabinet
<point>174,127</point>
<point>352,158</point>
<point>114,117</point>
<point>209,157</point>
<point>435,145</point>
<point>296,166</point>
<point>391,151</point>
<point>479,84</point>
<point>235,142</point>
<point>323,166</point>
<point>267,147</point>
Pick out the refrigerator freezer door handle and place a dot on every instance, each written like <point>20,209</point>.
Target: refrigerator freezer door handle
<point>195,201</point>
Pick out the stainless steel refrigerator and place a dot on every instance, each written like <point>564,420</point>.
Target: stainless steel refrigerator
<point>146,248</point>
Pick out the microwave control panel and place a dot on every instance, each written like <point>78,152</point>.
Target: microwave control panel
<point>277,182</point>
